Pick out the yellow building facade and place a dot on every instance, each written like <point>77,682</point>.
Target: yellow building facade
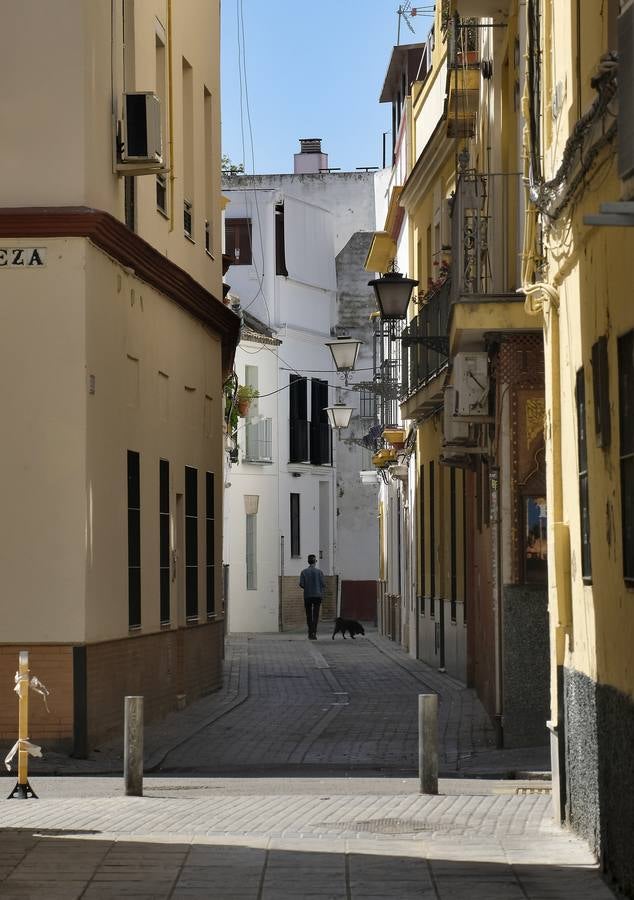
<point>579,190</point>
<point>116,347</point>
<point>472,378</point>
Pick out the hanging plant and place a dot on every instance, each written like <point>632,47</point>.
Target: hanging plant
<point>231,407</point>
<point>245,394</point>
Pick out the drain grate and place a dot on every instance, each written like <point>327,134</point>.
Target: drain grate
<point>384,826</point>
<point>533,790</point>
<point>283,675</point>
<point>184,787</point>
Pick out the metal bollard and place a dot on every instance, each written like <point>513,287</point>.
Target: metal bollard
<point>23,789</point>
<point>133,747</point>
<point>428,743</point>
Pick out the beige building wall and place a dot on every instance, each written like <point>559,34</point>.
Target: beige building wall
<point>42,367</point>
<point>158,384</point>
<point>59,148</point>
<point>118,342</point>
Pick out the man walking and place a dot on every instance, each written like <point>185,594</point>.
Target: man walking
<point>314,584</point>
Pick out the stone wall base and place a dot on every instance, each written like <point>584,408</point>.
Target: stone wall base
<point>88,682</point>
<point>599,772</point>
<point>526,665</point>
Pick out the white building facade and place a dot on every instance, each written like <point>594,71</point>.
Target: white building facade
<point>299,242</point>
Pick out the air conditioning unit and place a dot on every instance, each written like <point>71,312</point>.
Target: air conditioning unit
<point>625,39</point>
<point>141,142</point>
<point>454,431</point>
<point>471,382</point>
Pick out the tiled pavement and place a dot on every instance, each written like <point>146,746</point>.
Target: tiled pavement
<point>324,718</point>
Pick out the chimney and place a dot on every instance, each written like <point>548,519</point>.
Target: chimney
<point>310,159</point>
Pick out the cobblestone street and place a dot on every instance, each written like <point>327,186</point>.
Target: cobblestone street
<point>296,780</point>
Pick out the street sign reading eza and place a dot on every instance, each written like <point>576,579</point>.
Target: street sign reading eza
<point>22,257</point>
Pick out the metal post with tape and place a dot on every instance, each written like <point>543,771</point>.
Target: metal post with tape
<point>23,747</point>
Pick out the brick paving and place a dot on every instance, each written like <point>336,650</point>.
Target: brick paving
<point>335,724</point>
<point>347,705</point>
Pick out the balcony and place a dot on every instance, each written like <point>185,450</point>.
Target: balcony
<point>258,441</point>
<point>463,78</point>
<point>463,99</point>
<point>487,222</point>
<point>386,384</point>
<point>478,9</point>
<point>425,348</point>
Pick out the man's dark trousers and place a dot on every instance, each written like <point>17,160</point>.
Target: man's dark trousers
<point>312,605</point>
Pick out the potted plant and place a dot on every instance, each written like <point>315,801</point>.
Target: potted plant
<point>245,394</point>
<point>394,436</point>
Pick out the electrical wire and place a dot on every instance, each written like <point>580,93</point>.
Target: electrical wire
<point>329,371</point>
<point>245,104</point>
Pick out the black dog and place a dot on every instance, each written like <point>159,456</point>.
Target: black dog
<point>348,625</point>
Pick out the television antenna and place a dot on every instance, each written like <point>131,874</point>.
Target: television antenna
<point>407,12</point>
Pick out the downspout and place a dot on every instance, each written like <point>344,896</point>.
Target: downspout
<point>170,109</point>
<point>113,62</point>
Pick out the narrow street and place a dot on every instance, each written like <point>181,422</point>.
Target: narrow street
<point>330,707</point>
<point>297,780</point>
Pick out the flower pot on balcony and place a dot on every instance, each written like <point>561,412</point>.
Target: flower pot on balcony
<point>394,436</point>
<point>468,58</point>
<point>383,457</point>
<point>245,394</point>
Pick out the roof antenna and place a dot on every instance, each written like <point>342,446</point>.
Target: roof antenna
<point>407,12</point>
<point>403,12</point>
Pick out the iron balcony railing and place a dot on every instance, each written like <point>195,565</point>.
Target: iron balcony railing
<point>258,441</point>
<point>486,228</point>
<point>386,384</point>
<point>425,342</point>
<point>487,217</point>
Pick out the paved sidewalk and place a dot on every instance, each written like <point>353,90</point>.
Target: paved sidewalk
<point>191,840</point>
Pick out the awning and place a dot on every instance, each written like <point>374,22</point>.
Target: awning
<point>381,253</point>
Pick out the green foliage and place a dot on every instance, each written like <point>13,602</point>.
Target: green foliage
<point>246,393</point>
<point>230,168</point>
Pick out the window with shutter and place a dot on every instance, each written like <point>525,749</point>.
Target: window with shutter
<point>238,241</point>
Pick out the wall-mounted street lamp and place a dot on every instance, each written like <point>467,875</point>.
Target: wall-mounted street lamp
<point>339,415</point>
<point>393,292</point>
<point>344,354</point>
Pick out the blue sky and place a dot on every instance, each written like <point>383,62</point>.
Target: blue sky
<point>313,69</point>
